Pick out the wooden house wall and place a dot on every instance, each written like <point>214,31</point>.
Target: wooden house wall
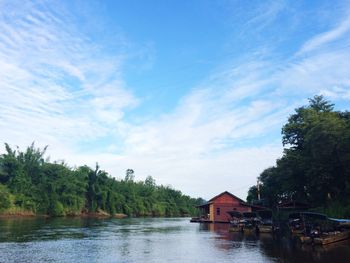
<point>211,212</point>
<point>225,203</point>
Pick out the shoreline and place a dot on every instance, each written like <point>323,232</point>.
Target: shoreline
<point>95,215</point>
<point>28,214</point>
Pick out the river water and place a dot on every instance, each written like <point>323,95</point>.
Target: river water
<point>149,240</point>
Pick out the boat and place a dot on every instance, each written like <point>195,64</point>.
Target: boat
<point>318,229</point>
<point>236,222</point>
<point>305,239</point>
<point>266,223</point>
<point>200,220</point>
<point>331,237</point>
<point>250,222</point>
<point>295,224</point>
<point>195,219</point>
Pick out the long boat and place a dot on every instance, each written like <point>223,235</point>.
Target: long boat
<point>199,220</point>
<point>250,222</point>
<point>331,237</point>
<point>296,224</point>
<point>266,223</point>
<point>236,222</point>
<point>318,229</point>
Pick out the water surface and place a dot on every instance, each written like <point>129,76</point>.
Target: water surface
<point>149,240</point>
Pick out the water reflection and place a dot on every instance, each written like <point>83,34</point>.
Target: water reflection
<point>278,247</point>
<point>149,240</point>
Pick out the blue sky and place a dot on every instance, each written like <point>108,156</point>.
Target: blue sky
<point>193,93</point>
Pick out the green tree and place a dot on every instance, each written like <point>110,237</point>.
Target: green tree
<point>315,165</point>
<point>5,198</point>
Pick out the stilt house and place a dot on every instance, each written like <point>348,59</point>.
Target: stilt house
<point>215,210</point>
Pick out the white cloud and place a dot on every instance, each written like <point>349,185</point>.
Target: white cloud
<point>199,142</point>
<point>57,87</point>
<point>264,14</point>
<point>316,73</point>
<point>326,37</point>
<point>337,93</point>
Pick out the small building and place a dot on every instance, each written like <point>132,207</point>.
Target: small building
<point>215,210</point>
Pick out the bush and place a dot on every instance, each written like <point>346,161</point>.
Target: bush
<point>5,198</point>
<point>56,209</point>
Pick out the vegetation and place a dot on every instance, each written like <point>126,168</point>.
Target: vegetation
<point>315,166</point>
<point>30,183</point>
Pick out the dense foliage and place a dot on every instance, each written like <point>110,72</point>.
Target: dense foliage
<point>315,166</point>
<point>28,182</point>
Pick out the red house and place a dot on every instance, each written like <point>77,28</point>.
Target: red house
<point>215,210</point>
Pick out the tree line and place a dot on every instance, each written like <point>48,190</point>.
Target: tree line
<point>315,166</point>
<point>29,182</point>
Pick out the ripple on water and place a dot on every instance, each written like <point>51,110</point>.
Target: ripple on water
<point>147,240</point>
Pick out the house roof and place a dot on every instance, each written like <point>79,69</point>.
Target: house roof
<point>226,192</point>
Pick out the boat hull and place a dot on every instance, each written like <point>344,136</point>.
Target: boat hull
<point>265,229</point>
<point>331,238</point>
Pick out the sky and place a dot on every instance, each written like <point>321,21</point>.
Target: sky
<point>193,93</point>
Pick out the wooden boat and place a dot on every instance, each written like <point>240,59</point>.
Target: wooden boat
<point>250,222</point>
<point>297,232</point>
<point>194,219</point>
<point>235,229</point>
<point>265,228</point>
<point>305,239</point>
<point>199,220</point>
<point>266,224</point>
<point>317,228</point>
<point>295,224</point>
<point>236,223</point>
<point>309,222</point>
<point>331,237</point>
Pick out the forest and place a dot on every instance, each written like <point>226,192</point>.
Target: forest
<point>30,183</point>
<point>315,166</point>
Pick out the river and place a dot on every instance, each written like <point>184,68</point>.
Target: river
<point>149,240</point>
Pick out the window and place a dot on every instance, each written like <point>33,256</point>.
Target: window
<point>218,211</point>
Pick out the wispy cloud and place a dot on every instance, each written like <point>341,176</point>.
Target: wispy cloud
<point>327,37</point>
<point>264,14</point>
<point>56,84</point>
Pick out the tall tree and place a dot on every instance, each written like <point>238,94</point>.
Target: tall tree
<point>315,166</point>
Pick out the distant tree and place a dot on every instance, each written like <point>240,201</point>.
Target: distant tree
<point>129,175</point>
<point>149,181</point>
<point>31,182</point>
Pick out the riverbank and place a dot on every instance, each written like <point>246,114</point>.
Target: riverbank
<point>17,213</point>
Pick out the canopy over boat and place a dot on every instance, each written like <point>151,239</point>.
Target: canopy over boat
<point>235,214</point>
<point>308,215</point>
<point>249,214</point>
<point>312,215</point>
<point>265,214</point>
<point>340,220</point>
